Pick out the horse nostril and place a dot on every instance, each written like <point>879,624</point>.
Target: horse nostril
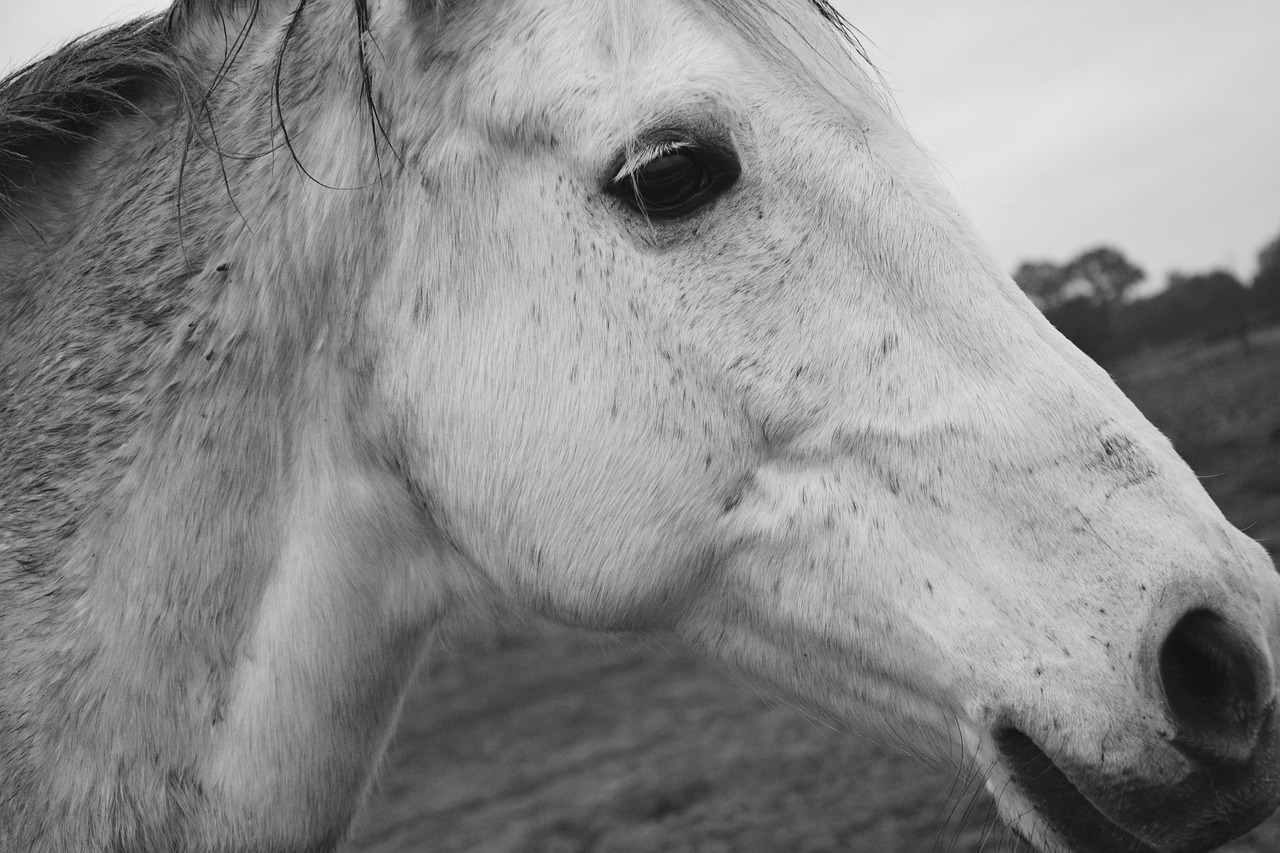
<point>1217,687</point>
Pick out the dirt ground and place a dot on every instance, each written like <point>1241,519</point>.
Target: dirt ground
<point>547,740</point>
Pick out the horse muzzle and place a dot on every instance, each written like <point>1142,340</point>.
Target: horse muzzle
<point>1203,769</point>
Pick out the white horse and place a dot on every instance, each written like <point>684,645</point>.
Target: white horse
<point>328,321</point>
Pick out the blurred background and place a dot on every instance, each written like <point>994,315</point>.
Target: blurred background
<point>1123,159</point>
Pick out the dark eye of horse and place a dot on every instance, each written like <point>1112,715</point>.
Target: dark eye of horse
<point>677,182</point>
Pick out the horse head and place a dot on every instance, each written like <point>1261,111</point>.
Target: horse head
<point>643,316</point>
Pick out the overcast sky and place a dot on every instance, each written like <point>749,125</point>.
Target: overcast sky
<point>1153,125</point>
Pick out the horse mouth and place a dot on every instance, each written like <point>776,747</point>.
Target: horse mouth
<point>1068,813</point>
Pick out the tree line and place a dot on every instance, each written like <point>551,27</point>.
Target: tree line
<point>1088,300</point>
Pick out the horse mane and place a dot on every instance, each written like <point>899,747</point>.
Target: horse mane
<point>51,106</point>
<point>847,30</point>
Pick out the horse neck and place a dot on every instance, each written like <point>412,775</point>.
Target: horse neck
<point>211,639</point>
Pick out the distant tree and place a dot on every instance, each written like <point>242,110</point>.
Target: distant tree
<point>1109,276</point>
<point>1102,275</point>
<point>1043,281</point>
<point>1108,272</point>
<point>1086,324</point>
<point>1083,298</point>
<point>1265,292</point>
<point>1269,256</point>
<point>1211,305</point>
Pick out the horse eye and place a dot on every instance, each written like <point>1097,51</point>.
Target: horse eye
<point>677,181</point>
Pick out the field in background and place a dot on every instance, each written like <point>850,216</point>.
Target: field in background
<point>551,741</point>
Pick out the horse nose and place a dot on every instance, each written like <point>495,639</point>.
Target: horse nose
<point>1208,772</point>
<point>1217,687</point>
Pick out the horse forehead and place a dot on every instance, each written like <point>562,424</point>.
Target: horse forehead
<point>614,65</point>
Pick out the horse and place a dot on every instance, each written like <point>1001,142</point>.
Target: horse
<point>331,324</point>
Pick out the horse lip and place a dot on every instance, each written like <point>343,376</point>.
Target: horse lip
<point>1208,806</point>
<point>1090,829</point>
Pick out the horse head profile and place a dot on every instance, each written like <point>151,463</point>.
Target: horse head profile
<point>329,323</point>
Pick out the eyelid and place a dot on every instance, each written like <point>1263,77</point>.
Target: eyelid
<point>648,153</point>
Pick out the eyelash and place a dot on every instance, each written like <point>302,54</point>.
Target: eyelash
<point>674,178</point>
